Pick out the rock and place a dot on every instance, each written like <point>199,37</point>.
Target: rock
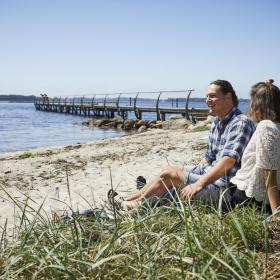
<point>143,122</point>
<point>111,125</point>
<point>128,124</point>
<point>89,123</point>
<point>142,129</point>
<point>105,122</point>
<point>156,125</point>
<point>102,122</point>
<point>209,119</point>
<point>200,126</point>
<point>176,117</point>
<point>191,127</point>
<point>118,119</point>
<point>176,124</point>
<point>139,123</point>
<point>200,123</point>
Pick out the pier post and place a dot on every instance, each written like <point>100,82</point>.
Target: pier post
<point>157,107</point>
<point>138,114</point>
<point>118,104</point>
<point>187,104</point>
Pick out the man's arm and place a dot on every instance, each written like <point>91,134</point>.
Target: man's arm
<point>216,172</point>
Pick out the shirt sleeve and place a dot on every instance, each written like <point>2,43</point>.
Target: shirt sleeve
<point>238,138</point>
<point>209,154</point>
<point>267,146</point>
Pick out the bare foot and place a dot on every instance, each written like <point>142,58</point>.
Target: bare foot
<point>131,204</point>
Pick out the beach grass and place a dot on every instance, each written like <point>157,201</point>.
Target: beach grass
<point>185,242</point>
<point>25,155</point>
<point>201,128</point>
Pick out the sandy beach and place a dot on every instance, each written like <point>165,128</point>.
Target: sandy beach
<point>40,175</point>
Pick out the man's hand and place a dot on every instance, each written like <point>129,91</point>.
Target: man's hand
<point>190,190</point>
<point>216,172</point>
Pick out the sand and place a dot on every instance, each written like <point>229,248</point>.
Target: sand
<point>40,175</point>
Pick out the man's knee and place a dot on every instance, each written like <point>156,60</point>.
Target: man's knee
<point>169,168</point>
<point>172,176</point>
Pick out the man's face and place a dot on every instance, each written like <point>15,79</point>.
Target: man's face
<point>219,104</point>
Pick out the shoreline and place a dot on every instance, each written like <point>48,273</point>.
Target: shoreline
<point>40,174</point>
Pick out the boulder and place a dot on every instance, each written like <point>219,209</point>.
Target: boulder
<point>176,124</point>
<point>102,122</point>
<point>118,119</point>
<point>156,125</point>
<point>111,125</point>
<point>142,129</point>
<point>176,117</point>
<point>139,123</point>
<point>209,119</point>
<point>199,126</point>
<point>152,122</point>
<point>191,127</point>
<point>88,123</point>
<point>128,124</point>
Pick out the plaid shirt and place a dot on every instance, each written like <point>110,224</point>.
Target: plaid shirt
<point>228,137</point>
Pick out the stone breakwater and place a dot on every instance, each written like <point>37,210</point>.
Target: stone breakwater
<point>144,125</point>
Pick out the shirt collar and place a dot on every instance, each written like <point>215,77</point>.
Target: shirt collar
<point>228,117</point>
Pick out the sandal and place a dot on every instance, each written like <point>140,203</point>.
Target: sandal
<point>114,199</point>
<point>140,182</point>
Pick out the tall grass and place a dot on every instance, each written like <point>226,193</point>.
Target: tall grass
<point>181,241</point>
<point>190,242</point>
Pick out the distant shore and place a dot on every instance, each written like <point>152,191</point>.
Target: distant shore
<point>17,98</point>
<point>41,173</point>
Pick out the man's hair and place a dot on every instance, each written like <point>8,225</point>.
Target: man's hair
<point>226,87</point>
<point>265,101</point>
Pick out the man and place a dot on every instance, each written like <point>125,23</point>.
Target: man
<point>229,135</point>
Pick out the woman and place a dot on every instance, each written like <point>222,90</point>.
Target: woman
<point>259,176</point>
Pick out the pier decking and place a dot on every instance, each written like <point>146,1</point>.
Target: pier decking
<point>111,106</point>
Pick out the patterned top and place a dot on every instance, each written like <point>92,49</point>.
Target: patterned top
<point>228,137</point>
<point>262,153</point>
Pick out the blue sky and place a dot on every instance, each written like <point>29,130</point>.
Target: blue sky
<point>67,47</point>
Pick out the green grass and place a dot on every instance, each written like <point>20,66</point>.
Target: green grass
<point>190,242</point>
<point>25,155</point>
<point>201,128</point>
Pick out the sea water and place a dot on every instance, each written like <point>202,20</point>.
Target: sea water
<point>24,128</point>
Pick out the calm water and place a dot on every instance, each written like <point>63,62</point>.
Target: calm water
<point>24,128</point>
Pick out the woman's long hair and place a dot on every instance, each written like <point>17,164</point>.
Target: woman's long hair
<point>265,101</point>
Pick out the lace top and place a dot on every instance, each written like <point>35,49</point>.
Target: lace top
<point>262,152</point>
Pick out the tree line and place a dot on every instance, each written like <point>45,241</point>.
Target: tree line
<point>17,98</point>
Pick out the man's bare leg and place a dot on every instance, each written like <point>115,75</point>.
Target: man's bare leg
<point>169,178</point>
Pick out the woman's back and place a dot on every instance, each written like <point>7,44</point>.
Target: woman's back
<point>262,153</point>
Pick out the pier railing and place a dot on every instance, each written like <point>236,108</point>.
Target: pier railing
<point>137,103</point>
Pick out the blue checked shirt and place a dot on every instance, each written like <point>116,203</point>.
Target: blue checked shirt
<point>228,137</point>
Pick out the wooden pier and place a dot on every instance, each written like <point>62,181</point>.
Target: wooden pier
<point>109,106</point>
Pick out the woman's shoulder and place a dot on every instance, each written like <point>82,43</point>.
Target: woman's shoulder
<point>268,124</point>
